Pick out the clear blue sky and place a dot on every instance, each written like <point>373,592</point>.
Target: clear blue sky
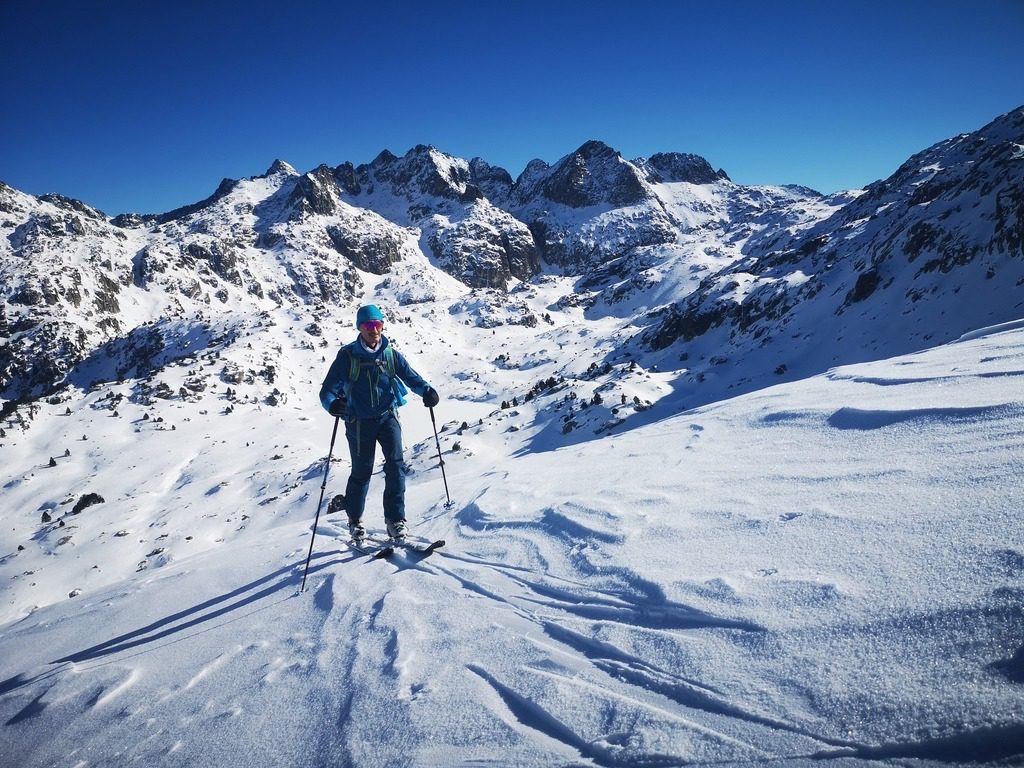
<point>146,106</point>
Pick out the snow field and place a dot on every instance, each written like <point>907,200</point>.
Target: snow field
<point>828,566</point>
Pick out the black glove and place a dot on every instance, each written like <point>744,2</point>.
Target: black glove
<point>337,408</point>
<point>430,398</point>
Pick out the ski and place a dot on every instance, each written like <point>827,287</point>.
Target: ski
<point>421,548</point>
<point>378,552</point>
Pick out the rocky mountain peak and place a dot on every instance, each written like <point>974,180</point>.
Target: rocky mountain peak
<point>494,182</point>
<point>424,170</point>
<point>316,192</point>
<point>531,176</point>
<point>679,167</point>
<point>279,167</point>
<point>595,174</point>
<point>70,204</point>
<point>384,157</point>
<point>595,150</point>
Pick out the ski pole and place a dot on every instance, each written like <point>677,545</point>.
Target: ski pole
<point>323,488</point>
<point>440,460</point>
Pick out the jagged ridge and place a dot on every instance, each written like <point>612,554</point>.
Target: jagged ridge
<point>714,269</point>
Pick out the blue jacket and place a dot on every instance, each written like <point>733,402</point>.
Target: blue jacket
<point>374,391</point>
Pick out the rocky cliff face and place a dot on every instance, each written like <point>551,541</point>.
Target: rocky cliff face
<point>714,270</point>
<point>64,271</point>
<point>677,166</point>
<point>593,175</point>
<point>442,196</point>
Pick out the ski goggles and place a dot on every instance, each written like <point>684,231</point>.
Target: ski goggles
<point>372,325</point>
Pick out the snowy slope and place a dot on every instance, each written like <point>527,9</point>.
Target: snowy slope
<point>916,259</point>
<point>827,567</point>
<point>685,529</point>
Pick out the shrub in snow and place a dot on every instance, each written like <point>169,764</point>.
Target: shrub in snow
<point>86,501</point>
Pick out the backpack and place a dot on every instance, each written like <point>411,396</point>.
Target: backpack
<point>356,365</point>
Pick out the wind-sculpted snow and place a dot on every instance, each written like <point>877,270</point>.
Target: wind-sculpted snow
<point>746,582</point>
<point>855,418</point>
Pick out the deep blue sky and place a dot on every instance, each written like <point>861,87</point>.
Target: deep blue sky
<point>146,106</point>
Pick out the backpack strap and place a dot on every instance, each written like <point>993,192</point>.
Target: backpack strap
<point>354,365</point>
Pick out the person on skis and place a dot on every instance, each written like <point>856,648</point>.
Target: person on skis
<point>365,386</point>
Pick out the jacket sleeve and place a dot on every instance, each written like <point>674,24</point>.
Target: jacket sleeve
<point>411,379</point>
<point>337,377</point>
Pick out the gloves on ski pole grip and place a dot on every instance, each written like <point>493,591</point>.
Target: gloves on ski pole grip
<point>430,397</point>
<point>337,408</point>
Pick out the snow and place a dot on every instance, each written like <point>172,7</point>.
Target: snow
<point>794,536</point>
<point>1012,325</point>
<point>833,566</point>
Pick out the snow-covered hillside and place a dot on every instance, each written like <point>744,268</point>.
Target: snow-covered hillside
<point>929,253</point>
<point>730,483</point>
<point>826,568</point>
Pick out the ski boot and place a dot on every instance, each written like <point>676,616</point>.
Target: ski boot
<point>397,530</point>
<point>356,531</point>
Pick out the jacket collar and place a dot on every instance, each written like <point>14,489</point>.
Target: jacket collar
<point>360,349</point>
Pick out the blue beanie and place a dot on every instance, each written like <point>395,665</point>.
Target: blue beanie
<point>367,313</point>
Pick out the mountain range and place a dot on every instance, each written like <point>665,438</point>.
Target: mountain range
<point>701,270</point>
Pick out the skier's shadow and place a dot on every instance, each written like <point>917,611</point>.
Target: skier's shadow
<point>204,612</point>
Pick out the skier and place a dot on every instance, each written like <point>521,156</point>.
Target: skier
<point>365,386</point>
